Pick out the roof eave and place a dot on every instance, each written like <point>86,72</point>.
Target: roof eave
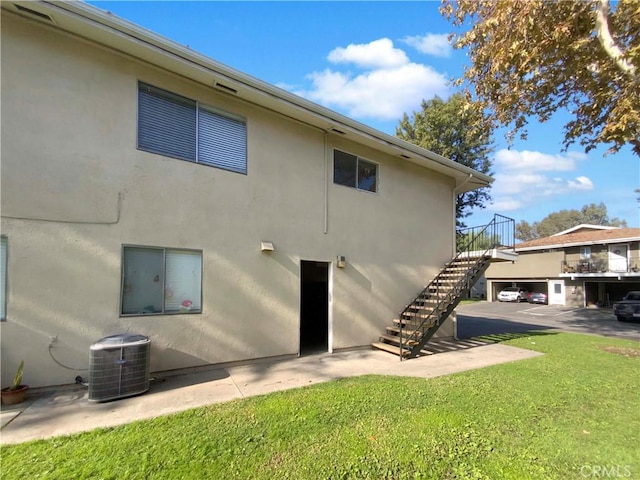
<point>577,244</point>
<point>106,26</point>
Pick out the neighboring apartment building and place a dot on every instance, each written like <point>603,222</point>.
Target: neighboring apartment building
<point>584,266</point>
<point>148,189</point>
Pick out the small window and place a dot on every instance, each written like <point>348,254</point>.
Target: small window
<point>352,171</point>
<point>161,281</point>
<point>179,127</point>
<point>585,253</point>
<point>3,278</point>
<point>557,288</point>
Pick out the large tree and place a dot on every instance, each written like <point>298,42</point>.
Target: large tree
<point>530,58</point>
<point>458,131</point>
<point>564,219</point>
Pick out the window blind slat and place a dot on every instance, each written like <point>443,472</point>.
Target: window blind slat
<point>222,141</point>
<point>166,123</point>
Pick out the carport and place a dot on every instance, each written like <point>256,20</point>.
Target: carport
<point>541,286</point>
<point>607,292</point>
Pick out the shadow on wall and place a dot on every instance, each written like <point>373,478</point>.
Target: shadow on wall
<point>78,308</point>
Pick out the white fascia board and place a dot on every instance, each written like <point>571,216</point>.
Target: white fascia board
<point>578,244</point>
<point>584,225</point>
<point>101,27</point>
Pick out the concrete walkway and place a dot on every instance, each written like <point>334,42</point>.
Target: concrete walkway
<point>51,412</point>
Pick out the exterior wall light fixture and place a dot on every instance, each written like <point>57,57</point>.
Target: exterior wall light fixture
<point>341,261</point>
<point>266,246</point>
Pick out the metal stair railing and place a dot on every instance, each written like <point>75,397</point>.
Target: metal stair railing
<point>472,257</point>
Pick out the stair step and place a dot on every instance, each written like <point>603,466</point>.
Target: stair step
<point>394,340</point>
<point>390,348</point>
<point>417,316</point>
<point>428,307</point>
<point>405,332</point>
<point>409,325</point>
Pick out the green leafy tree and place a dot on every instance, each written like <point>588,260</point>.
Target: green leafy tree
<point>458,131</point>
<point>530,58</point>
<point>474,241</point>
<point>564,219</point>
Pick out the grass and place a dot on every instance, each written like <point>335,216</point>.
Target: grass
<point>471,301</point>
<point>545,417</point>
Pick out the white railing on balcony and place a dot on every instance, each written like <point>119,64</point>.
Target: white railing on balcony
<point>597,265</point>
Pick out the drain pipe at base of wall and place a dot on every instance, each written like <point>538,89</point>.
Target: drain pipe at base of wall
<point>454,315</point>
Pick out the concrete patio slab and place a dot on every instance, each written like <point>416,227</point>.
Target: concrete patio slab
<point>52,412</point>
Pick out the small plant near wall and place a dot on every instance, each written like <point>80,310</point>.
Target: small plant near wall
<point>17,391</point>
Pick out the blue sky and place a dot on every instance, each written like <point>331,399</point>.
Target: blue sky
<point>372,61</point>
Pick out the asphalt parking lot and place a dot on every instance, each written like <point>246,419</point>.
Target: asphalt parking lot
<point>487,318</point>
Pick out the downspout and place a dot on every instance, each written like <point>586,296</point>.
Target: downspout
<point>453,254</point>
<point>326,183</point>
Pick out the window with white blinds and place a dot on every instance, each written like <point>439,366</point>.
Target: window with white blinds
<point>179,127</point>
<point>161,281</point>
<point>3,278</point>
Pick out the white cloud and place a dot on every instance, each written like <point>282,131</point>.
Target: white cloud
<point>377,54</point>
<point>507,205</point>
<point>581,183</point>
<point>385,85</point>
<point>522,180</point>
<point>436,44</point>
<point>526,160</point>
<point>383,94</point>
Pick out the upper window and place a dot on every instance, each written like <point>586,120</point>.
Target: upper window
<point>179,127</point>
<point>161,281</point>
<point>3,278</point>
<point>355,172</point>
<point>585,253</point>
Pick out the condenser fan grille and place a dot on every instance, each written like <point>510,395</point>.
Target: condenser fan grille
<point>119,367</point>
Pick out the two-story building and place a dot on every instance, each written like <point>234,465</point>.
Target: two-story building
<point>148,189</point>
<point>582,266</point>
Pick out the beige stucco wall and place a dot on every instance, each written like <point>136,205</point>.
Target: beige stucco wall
<point>78,190</point>
<point>529,265</point>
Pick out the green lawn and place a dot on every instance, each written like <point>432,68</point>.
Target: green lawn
<point>559,415</point>
<point>470,301</point>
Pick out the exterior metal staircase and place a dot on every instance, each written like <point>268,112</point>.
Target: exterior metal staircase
<point>422,318</point>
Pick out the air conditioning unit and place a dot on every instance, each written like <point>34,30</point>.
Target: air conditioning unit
<point>119,367</point>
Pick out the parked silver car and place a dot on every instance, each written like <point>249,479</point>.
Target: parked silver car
<point>537,297</point>
<point>513,294</point>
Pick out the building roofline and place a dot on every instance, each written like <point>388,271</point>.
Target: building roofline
<point>107,29</point>
<point>577,244</point>
<point>584,225</point>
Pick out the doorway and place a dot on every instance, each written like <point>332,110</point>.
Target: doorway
<point>314,307</point>
<point>618,258</point>
<point>556,292</point>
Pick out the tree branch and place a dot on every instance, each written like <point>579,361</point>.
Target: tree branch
<point>606,40</point>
